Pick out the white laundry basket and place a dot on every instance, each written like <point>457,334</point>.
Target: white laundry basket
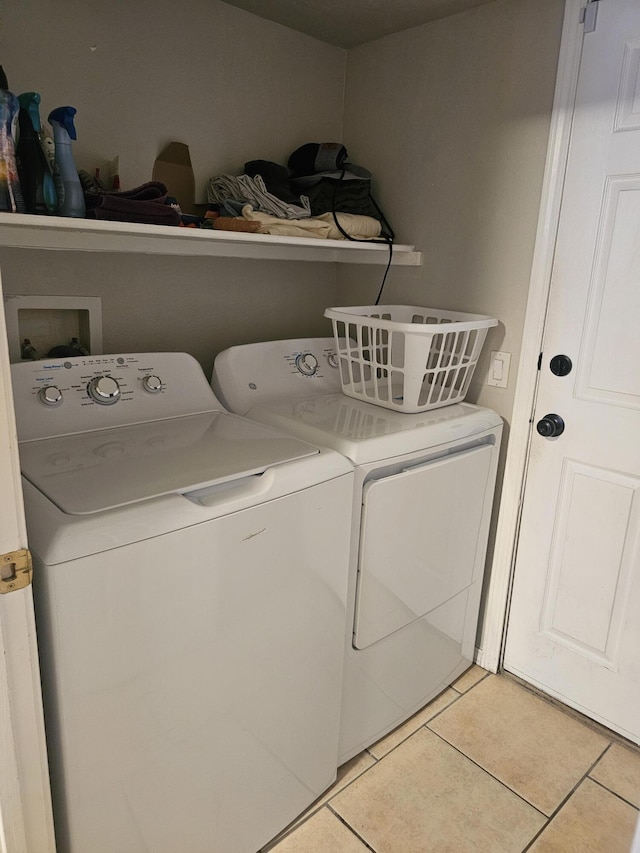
<point>407,358</point>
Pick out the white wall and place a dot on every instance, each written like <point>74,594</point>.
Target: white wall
<point>453,118</point>
<point>200,305</point>
<point>234,88</point>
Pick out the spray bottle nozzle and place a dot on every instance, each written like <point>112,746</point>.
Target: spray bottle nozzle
<point>29,101</point>
<point>64,117</point>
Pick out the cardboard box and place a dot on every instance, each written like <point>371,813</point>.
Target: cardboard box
<point>173,168</point>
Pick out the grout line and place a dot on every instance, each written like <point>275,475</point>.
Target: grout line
<point>475,684</point>
<point>299,821</point>
<point>489,773</point>
<point>536,836</point>
<point>615,793</point>
<point>351,781</point>
<point>424,725</point>
<point>411,734</point>
<point>564,802</point>
<point>442,710</point>
<point>351,829</point>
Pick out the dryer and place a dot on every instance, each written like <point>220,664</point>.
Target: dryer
<point>190,582</point>
<point>423,492</point>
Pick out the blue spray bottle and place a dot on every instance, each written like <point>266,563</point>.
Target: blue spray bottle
<point>70,195</point>
<point>10,193</point>
<point>36,179</point>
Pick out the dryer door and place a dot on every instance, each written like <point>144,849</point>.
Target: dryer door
<point>423,538</point>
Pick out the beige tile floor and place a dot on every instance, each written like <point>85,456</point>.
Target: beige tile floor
<point>487,766</point>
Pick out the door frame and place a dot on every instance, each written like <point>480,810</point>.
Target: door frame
<point>514,482</point>
<point>26,822</point>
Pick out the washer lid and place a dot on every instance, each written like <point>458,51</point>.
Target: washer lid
<point>91,472</point>
<point>366,433</point>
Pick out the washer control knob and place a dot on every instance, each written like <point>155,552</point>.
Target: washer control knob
<point>152,384</point>
<point>51,396</point>
<point>104,390</point>
<point>307,363</point>
<point>332,359</point>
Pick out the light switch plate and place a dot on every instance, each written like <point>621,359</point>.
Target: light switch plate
<point>499,369</point>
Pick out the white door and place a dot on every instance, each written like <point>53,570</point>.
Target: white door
<point>574,623</point>
<point>26,824</point>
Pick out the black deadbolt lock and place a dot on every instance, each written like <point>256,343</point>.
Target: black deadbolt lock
<point>560,365</point>
<point>550,426</point>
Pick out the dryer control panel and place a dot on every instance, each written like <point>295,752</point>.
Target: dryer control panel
<point>63,396</point>
<point>253,374</point>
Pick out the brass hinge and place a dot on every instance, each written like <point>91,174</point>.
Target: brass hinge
<point>589,16</point>
<point>16,570</point>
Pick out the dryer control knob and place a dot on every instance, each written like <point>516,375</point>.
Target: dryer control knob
<point>104,390</point>
<point>307,363</point>
<point>51,396</point>
<point>152,384</point>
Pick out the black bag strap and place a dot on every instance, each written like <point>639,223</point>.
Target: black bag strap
<point>387,235</point>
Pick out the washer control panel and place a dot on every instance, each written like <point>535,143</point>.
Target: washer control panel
<point>63,396</point>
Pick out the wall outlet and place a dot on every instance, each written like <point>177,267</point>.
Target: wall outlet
<point>499,369</point>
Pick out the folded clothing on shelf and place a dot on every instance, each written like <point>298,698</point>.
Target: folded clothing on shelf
<point>329,226</point>
<point>252,189</point>
<point>145,203</point>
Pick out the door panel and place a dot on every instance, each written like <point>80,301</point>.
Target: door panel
<point>596,523</point>
<point>611,345</point>
<point>574,624</point>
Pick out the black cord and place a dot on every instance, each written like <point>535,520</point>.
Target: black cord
<point>387,233</point>
<point>384,277</point>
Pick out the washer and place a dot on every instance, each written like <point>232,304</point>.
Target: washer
<point>423,493</point>
<point>190,577</point>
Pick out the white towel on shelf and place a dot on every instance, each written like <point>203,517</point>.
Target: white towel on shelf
<point>309,227</point>
<point>357,226</point>
<point>322,227</point>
